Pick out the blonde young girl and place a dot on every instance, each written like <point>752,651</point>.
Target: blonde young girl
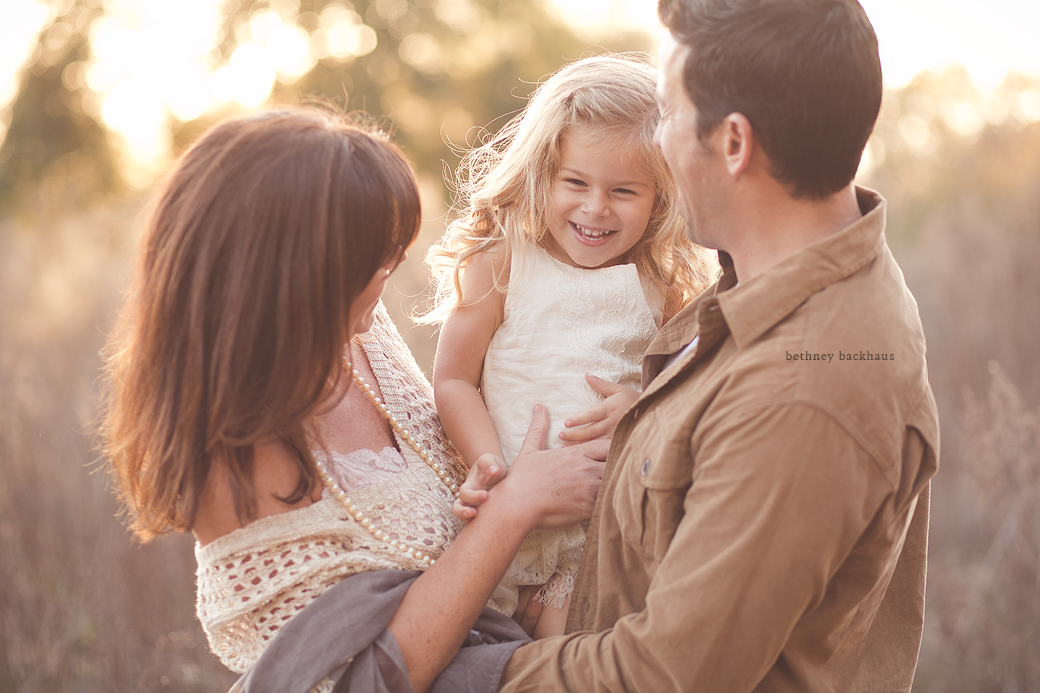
<point>568,257</point>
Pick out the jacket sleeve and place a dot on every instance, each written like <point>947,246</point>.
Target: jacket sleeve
<point>785,512</point>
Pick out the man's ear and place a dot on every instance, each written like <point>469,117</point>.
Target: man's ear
<point>737,143</point>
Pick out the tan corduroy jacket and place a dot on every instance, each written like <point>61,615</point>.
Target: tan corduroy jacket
<point>763,519</point>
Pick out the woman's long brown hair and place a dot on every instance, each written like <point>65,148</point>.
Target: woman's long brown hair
<point>258,242</point>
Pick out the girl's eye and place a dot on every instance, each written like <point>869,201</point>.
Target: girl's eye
<point>625,191</point>
<point>574,181</point>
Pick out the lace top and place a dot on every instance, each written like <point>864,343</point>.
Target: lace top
<point>254,579</point>
<point>363,467</point>
<point>559,323</point>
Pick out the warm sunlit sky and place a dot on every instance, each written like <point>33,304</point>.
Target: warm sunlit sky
<point>989,37</point>
<point>139,39</point>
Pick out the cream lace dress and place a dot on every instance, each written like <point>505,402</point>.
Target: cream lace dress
<point>254,579</point>
<point>559,323</point>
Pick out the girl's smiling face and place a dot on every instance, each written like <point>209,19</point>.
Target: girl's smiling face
<point>602,198</point>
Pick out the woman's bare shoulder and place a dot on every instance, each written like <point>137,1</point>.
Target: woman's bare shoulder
<point>275,475</point>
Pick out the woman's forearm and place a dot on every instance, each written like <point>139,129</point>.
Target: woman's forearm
<point>544,488</point>
<point>442,604</point>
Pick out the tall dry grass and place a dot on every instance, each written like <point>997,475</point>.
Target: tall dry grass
<point>83,608</point>
<point>983,618</point>
<point>965,227</point>
<point>985,621</point>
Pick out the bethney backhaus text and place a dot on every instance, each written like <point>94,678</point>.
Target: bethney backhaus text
<point>842,356</point>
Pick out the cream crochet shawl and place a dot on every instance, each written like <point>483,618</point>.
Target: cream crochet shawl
<point>254,579</point>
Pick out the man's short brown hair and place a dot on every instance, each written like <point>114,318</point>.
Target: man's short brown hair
<point>805,73</point>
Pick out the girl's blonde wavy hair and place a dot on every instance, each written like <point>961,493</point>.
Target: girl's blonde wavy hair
<point>503,188</point>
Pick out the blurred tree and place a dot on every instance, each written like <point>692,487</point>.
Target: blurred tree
<point>940,138</point>
<point>431,69</point>
<point>435,68</point>
<point>54,151</point>
<point>960,171</point>
<point>962,176</point>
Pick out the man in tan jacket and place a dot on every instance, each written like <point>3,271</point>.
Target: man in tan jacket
<point>762,522</point>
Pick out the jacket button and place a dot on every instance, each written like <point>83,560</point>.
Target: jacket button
<point>646,468</point>
<point>588,606</point>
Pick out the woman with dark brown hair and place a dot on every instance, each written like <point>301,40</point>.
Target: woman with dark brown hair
<point>258,395</point>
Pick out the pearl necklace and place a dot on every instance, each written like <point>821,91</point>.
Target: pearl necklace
<point>405,435</point>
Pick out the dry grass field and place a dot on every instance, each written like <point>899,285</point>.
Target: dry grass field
<point>83,608</point>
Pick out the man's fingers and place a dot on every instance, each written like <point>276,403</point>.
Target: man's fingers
<point>536,432</point>
<point>530,609</point>
<point>597,449</point>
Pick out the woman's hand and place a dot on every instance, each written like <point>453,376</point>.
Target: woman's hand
<point>544,488</point>
<point>551,488</point>
<point>600,420</point>
<point>560,485</point>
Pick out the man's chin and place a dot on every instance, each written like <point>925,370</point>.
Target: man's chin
<point>691,226</point>
<point>684,212</point>
<point>693,233</point>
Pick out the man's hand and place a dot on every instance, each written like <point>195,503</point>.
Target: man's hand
<point>528,609</point>
<point>600,420</point>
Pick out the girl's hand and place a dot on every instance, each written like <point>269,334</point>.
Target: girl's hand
<point>600,420</point>
<point>486,471</point>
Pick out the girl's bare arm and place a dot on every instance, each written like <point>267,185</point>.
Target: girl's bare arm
<point>463,343</point>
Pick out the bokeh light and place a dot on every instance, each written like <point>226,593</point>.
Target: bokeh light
<point>988,37</point>
<point>593,17</point>
<point>154,61</point>
<point>18,31</point>
<point>342,35</point>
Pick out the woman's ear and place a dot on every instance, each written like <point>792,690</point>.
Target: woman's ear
<point>737,143</point>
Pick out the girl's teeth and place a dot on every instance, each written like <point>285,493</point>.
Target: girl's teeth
<point>590,232</point>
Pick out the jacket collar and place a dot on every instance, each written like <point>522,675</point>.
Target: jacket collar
<point>750,310</point>
<point>758,305</point>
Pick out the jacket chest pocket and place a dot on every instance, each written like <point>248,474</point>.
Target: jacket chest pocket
<point>654,473</point>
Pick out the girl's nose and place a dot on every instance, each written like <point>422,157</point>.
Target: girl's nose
<point>595,204</point>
